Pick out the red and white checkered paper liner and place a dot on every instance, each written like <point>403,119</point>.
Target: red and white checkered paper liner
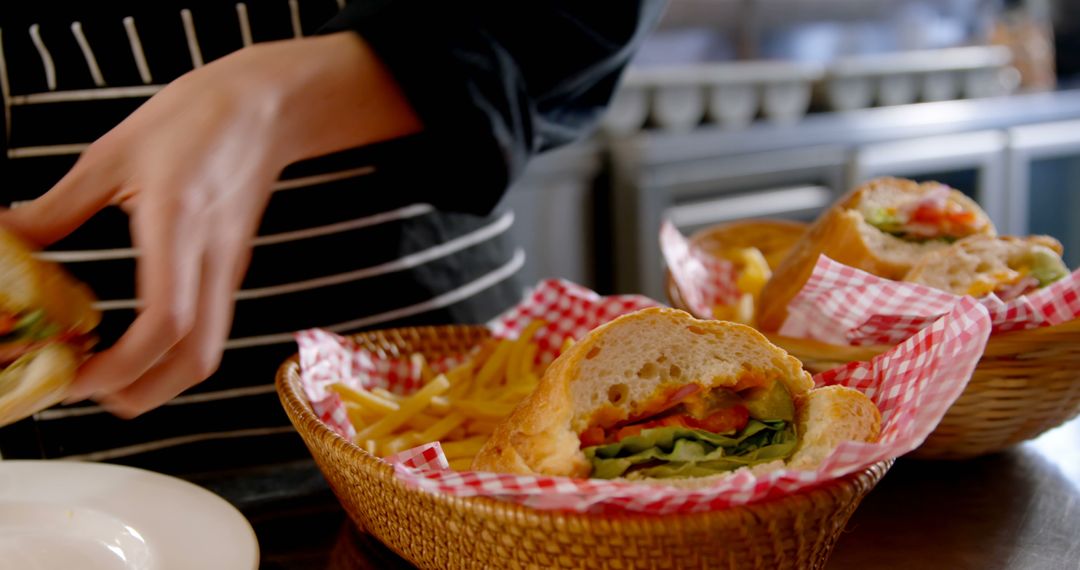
<point>704,280</point>
<point>843,305</point>
<point>913,385</point>
<point>568,310</point>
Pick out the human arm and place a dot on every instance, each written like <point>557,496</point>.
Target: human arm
<point>194,165</point>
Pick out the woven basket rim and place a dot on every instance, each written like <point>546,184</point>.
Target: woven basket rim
<point>705,232</point>
<point>299,410</point>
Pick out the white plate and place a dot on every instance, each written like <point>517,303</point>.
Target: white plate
<point>94,516</point>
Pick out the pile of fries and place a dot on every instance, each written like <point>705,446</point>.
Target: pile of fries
<point>459,408</point>
<point>753,271</point>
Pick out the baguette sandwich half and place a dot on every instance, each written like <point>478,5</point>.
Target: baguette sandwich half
<point>658,395</point>
<point>883,227</point>
<point>979,265</point>
<point>46,325</point>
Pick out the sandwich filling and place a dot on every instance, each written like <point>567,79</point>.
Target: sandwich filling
<point>934,216</point>
<point>694,432</point>
<point>1037,270</point>
<point>28,331</point>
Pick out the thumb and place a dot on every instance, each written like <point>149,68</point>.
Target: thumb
<point>86,189</point>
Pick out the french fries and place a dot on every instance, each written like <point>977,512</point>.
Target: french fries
<point>459,407</point>
<point>741,312</point>
<point>408,408</point>
<point>754,272</point>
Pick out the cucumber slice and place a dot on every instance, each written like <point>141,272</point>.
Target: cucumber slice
<point>773,403</point>
<point>1047,267</point>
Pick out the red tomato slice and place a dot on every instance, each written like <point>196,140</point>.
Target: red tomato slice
<point>726,420</point>
<point>7,323</point>
<point>723,420</point>
<point>928,212</point>
<point>678,420</point>
<point>628,431</point>
<point>962,218</point>
<point>592,436</point>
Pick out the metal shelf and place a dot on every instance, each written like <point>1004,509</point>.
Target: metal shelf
<point>862,126</point>
<point>711,175</point>
<point>690,13</point>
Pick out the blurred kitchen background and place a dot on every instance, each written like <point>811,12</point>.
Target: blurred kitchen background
<point>773,108</point>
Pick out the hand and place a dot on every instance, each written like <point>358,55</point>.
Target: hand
<point>194,167</point>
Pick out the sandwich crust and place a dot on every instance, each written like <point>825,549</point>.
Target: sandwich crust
<point>828,416</point>
<point>39,378</point>
<point>28,284</point>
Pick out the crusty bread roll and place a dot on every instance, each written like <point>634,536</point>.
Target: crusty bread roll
<point>829,416</point>
<point>46,322</point>
<point>774,238</point>
<point>36,381</point>
<point>845,233</point>
<point>980,265</point>
<point>27,283</point>
<point>618,370</point>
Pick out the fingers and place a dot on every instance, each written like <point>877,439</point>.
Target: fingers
<point>87,188</point>
<point>197,356</point>
<point>168,276</point>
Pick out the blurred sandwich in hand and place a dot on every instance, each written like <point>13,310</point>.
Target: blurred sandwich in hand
<point>46,324</point>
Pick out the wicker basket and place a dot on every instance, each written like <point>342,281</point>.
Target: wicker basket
<point>1026,383</point>
<point>439,531</point>
<point>774,238</point>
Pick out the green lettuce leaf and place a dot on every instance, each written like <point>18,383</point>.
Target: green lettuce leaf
<point>32,326</point>
<point>881,219</point>
<point>893,225</point>
<point>682,452</point>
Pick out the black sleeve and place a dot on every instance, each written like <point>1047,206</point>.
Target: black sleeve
<point>497,81</point>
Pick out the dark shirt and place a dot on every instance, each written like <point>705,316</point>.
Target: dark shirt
<point>1067,41</point>
<point>403,233</point>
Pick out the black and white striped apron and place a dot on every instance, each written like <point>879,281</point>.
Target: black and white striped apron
<point>342,245</point>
